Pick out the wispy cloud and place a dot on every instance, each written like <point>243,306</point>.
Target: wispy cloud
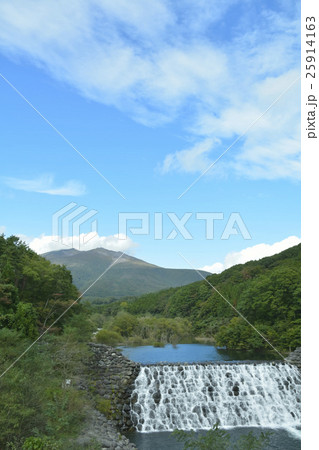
<point>160,60</point>
<point>252,254</point>
<point>269,150</point>
<point>190,160</point>
<point>45,185</point>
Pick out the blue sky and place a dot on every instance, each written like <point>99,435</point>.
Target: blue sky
<point>152,93</point>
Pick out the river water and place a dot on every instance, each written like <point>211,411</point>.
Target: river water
<point>190,353</point>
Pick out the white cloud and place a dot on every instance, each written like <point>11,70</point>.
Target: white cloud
<point>215,268</point>
<point>45,185</point>
<point>269,150</point>
<point>161,59</point>
<point>252,254</point>
<point>189,160</point>
<point>2,229</point>
<point>44,243</point>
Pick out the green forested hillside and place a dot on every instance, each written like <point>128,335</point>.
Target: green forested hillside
<point>266,292</point>
<point>37,412</point>
<point>33,292</point>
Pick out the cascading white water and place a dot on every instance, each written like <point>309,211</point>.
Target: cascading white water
<point>198,396</point>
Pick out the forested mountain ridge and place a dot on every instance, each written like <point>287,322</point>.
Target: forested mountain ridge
<point>128,276</point>
<point>266,292</point>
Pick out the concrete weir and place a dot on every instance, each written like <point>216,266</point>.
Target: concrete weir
<point>197,396</point>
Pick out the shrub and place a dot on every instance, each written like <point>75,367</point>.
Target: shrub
<point>108,337</point>
<point>105,407</point>
<point>135,340</point>
<point>39,443</point>
<point>126,323</point>
<point>158,344</point>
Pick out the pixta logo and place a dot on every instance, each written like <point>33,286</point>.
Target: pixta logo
<point>179,226</point>
<point>67,223</point>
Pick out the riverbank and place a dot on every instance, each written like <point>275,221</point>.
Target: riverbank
<point>108,380</point>
<point>101,433</point>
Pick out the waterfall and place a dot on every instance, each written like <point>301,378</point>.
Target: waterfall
<point>188,397</point>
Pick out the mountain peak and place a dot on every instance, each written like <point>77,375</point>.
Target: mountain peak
<point>129,276</point>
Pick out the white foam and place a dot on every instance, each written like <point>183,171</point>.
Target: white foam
<point>234,395</point>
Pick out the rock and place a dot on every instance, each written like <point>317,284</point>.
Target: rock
<point>157,397</point>
<point>236,390</point>
<point>111,377</point>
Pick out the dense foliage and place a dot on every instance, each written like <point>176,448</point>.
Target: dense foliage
<point>34,401</point>
<point>266,292</point>
<point>38,410</point>
<point>144,330</point>
<point>33,292</point>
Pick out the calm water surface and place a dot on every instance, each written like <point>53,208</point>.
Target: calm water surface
<point>189,353</point>
<point>280,439</point>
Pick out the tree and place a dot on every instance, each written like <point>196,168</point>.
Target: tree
<point>44,290</point>
<point>125,323</point>
<point>108,337</point>
<point>25,320</point>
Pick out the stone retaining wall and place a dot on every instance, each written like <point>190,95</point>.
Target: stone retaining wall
<point>111,377</point>
<point>108,379</point>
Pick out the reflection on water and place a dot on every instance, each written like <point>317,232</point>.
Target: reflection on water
<point>280,439</point>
